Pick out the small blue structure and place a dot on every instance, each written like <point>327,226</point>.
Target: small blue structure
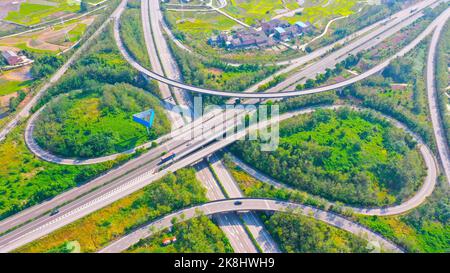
<point>145,118</point>
<point>301,25</point>
<point>280,30</point>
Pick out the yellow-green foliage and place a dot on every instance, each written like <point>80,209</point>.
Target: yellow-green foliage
<point>250,11</point>
<point>94,231</point>
<point>198,235</point>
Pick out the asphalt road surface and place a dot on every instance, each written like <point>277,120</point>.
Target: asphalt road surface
<point>254,224</point>
<point>230,205</point>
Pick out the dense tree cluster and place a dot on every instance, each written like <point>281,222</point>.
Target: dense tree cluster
<point>400,70</point>
<point>300,234</point>
<point>346,156</point>
<point>15,101</point>
<point>443,78</point>
<point>132,33</point>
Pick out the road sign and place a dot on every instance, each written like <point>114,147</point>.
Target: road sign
<point>145,118</point>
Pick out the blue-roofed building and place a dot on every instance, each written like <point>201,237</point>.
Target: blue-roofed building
<point>281,33</point>
<point>302,27</point>
<point>280,30</point>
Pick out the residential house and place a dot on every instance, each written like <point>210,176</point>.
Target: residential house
<point>11,57</point>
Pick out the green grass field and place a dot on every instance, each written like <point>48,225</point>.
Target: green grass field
<point>342,156</point>
<point>30,14</point>
<point>252,11</point>
<point>95,121</point>
<point>198,235</point>
<point>200,23</point>
<point>317,12</point>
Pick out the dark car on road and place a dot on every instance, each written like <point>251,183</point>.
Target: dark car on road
<point>237,203</point>
<point>55,211</point>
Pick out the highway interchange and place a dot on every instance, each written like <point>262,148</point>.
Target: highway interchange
<point>141,171</point>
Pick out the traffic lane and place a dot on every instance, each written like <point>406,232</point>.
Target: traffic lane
<point>108,178</point>
<point>334,58</point>
<point>262,236</point>
<point>81,203</point>
<point>230,224</point>
<point>235,231</point>
<point>225,206</point>
<point>205,175</point>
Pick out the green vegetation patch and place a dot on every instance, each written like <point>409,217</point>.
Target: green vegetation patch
<point>443,78</point>
<point>348,156</point>
<point>400,92</point>
<point>172,192</point>
<point>198,235</point>
<point>98,121</point>
<point>25,180</point>
<point>133,35</point>
<point>8,87</point>
<point>215,74</point>
<point>253,11</point>
<point>424,229</point>
<point>300,234</point>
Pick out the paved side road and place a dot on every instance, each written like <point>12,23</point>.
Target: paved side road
<point>438,128</point>
<point>230,205</point>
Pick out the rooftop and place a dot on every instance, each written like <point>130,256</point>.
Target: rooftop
<point>280,30</point>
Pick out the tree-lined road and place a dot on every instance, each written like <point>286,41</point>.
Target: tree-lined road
<point>433,103</point>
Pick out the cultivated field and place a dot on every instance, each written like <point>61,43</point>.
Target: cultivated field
<point>34,12</point>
